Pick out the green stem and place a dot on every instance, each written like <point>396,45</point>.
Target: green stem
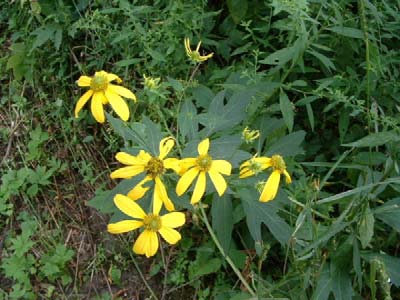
<point>227,258</point>
<point>142,276</point>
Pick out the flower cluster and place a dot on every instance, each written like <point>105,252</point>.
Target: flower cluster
<point>154,167</point>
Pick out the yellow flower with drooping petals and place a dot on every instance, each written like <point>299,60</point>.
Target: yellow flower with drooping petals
<point>153,223</point>
<point>200,166</point>
<point>195,55</point>
<point>257,164</point>
<point>102,91</point>
<point>154,167</point>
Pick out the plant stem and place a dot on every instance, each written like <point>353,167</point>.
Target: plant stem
<point>227,258</point>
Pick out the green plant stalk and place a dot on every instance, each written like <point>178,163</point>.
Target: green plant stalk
<point>227,258</point>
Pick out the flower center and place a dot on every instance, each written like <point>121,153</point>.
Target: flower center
<point>255,166</point>
<point>204,162</point>
<point>155,167</point>
<point>278,163</point>
<point>99,83</point>
<point>152,222</point>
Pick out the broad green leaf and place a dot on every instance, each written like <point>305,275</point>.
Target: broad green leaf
<point>207,267</point>
<point>288,145</point>
<point>324,285</point>
<point>279,57</point>
<point>153,135</point>
<point>287,109</point>
<point>187,120</point>
<point>128,62</point>
<point>366,227</point>
<point>258,212</point>
<point>341,283</point>
<point>176,84</point>
<point>202,95</point>
<point>222,219</point>
<point>222,116</point>
<point>375,139</point>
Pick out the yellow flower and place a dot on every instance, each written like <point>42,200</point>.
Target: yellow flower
<point>195,55</point>
<point>147,242</point>
<point>154,167</point>
<point>102,91</point>
<point>250,135</point>
<point>200,166</point>
<point>257,164</point>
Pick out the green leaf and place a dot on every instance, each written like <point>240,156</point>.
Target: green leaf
<point>237,9</point>
<point>287,109</point>
<point>258,212</point>
<point>206,267</point>
<point>389,213</point>
<point>153,135</point>
<point>375,139</point>
<point>289,145</point>
<point>341,283</point>
<point>324,285</point>
<point>323,59</point>
<point>187,120</point>
<point>347,31</point>
<point>366,227</point>
<point>128,62</point>
<point>279,57</point>
<point>222,219</point>
<point>392,265</point>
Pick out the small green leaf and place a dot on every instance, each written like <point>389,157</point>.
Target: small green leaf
<point>341,283</point>
<point>366,227</point>
<point>324,285</point>
<point>287,110</point>
<point>347,31</point>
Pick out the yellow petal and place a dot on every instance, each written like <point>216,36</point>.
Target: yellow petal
<point>245,172</point>
<point>173,219</point>
<point>146,243</point>
<point>186,180</point>
<point>185,164</point>
<point>288,179</point>
<point>222,166</point>
<point>112,77</point>
<point>138,191</point>
<point>129,207</point>
<point>218,181</point>
<point>84,81</point>
<point>203,146</point>
<point>122,91</point>
<point>271,187</point>
<point>165,146</point>
<point>170,235</point>
<point>144,156</point>
<point>97,107</point>
<point>140,245</point>
<point>161,196</point>
<point>198,46</point>
<point>118,105</point>
<point>173,163</point>
<point>199,188</point>
<point>124,226</point>
<point>127,172</point>
<point>82,101</point>
<point>128,159</point>
<point>187,46</point>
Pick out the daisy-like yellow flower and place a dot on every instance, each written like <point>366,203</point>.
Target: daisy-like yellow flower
<point>195,55</point>
<point>257,164</point>
<point>154,167</point>
<point>200,166</point>
<point>102,91</point>
<point>250,135</point>
<point>153,223</point>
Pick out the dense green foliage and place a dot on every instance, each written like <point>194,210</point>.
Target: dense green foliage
<point>319,79</point>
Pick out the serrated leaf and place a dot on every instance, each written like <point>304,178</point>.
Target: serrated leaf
<point>258,212</point>
<point>222,219</point>
<point>287,110</point>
